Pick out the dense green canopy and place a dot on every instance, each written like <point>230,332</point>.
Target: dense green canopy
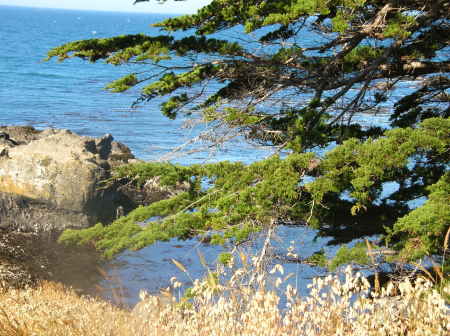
<point>306,79</point>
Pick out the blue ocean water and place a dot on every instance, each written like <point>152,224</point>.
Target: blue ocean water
<point>71,94</point>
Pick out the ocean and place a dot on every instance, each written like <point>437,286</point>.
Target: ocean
<point>71,94</point>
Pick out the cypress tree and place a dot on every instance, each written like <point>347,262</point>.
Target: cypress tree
<point>331,166</point>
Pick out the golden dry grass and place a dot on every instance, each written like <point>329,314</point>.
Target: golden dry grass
<point>51,309</point>
<point>233,309</point>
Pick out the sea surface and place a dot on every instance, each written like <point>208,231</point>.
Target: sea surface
<point>71,95</point>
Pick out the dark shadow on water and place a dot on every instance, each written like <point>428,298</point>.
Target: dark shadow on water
<point>77,267</point>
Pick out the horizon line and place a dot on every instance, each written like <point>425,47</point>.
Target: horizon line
<point>94,10</point>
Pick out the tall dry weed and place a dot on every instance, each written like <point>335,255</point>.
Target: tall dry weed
<point>335,306</point>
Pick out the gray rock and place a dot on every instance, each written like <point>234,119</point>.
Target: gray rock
<point>52,179</point>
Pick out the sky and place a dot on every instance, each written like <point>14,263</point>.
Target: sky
<point>171,6</point>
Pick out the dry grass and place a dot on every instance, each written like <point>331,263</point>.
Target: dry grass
<point>335,306</point>
<point>52,309</point>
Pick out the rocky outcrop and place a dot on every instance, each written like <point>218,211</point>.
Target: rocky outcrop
<point>52,179</point>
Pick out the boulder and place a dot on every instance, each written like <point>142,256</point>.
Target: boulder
<point>52,179</point>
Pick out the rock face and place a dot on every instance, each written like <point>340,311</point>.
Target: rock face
<point>52,179</point>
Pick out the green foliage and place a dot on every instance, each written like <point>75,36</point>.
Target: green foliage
<point>238,202</point>
<point>169,175</point>
<point>397,27</point>
<point>330,87</point>
<point>241,199</point>
<point>346,255</point>
<point>340,22</point>
<point>361,167</point>
<point>123,83</point>
<point>361,55</point>
<point>318,258</point>
<point>224,258</point>
<point>423,229</point>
